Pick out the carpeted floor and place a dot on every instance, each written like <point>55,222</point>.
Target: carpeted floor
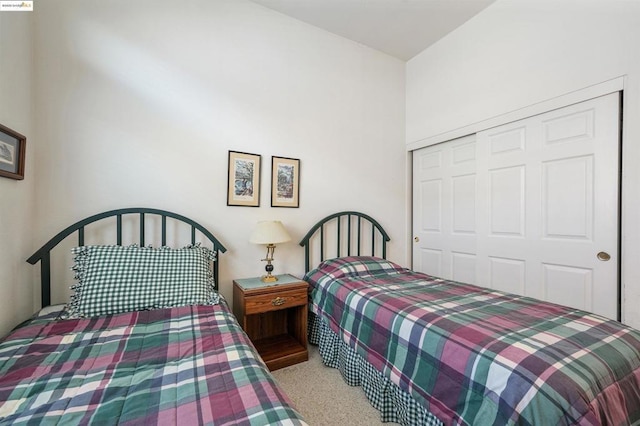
<point>322,397</point>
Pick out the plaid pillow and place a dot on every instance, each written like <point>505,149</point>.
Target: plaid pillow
<point>115,279</point>
<point>357,266</point>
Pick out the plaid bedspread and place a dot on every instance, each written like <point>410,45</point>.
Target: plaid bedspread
<point>190,366</point>
<point>477,356</point>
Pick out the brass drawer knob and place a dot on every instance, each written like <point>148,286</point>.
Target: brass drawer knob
<point>278,301</point>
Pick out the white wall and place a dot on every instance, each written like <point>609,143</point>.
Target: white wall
<point>16,197</point>
<point>518,53</point>
<point>140,102</point>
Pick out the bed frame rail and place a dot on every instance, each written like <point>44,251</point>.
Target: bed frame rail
<point>43,254</point>
<point>349,241</point>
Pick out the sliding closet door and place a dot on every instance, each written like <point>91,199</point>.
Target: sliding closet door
<point>530,207</point>
<point>445,211</point>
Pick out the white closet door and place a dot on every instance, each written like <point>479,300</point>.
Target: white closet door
<point>530,207</point>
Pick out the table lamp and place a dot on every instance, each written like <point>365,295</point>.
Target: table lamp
<point>269,232</point>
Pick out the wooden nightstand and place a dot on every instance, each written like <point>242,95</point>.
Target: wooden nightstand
<point>274,316</point>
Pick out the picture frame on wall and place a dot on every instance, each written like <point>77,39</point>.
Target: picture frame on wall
<point>13,148</point>
<point>285,182</point>
<point>243,186</point>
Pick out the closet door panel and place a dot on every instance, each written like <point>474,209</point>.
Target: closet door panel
<point>530,207</point>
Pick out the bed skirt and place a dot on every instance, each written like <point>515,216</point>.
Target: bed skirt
<point>394,404</point>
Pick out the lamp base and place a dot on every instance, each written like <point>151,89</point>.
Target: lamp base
<point>269,278</point>
<point>269,267</point>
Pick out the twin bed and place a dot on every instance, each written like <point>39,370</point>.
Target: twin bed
<point>425,350</point>
<point>167,351</point>
<point>433,351</point>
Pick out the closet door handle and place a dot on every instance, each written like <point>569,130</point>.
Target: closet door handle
<point>603,256</point>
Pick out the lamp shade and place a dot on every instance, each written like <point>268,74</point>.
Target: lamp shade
<point>269,232</point>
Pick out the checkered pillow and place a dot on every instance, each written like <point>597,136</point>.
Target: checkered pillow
<point>115,279</point>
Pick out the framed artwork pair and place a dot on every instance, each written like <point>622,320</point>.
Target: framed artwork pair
<point>243,188</point>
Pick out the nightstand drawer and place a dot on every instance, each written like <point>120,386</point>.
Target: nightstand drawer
<point>274,301</point>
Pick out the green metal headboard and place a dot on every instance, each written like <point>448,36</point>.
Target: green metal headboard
<point>355,222</point>
<point>43,254</point>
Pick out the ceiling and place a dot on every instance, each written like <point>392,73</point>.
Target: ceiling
<point>400,28</point>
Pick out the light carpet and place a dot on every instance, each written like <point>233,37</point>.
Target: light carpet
<point>323,397</point>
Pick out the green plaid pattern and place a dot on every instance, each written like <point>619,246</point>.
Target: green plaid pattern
<point>472,355</point>
<point>394,404</point>
<point>116,279</point>
<point>189,365</point>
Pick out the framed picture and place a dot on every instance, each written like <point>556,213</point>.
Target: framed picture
<point>243,187</point>
<point>285,182</point>
<point>12,151</point>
